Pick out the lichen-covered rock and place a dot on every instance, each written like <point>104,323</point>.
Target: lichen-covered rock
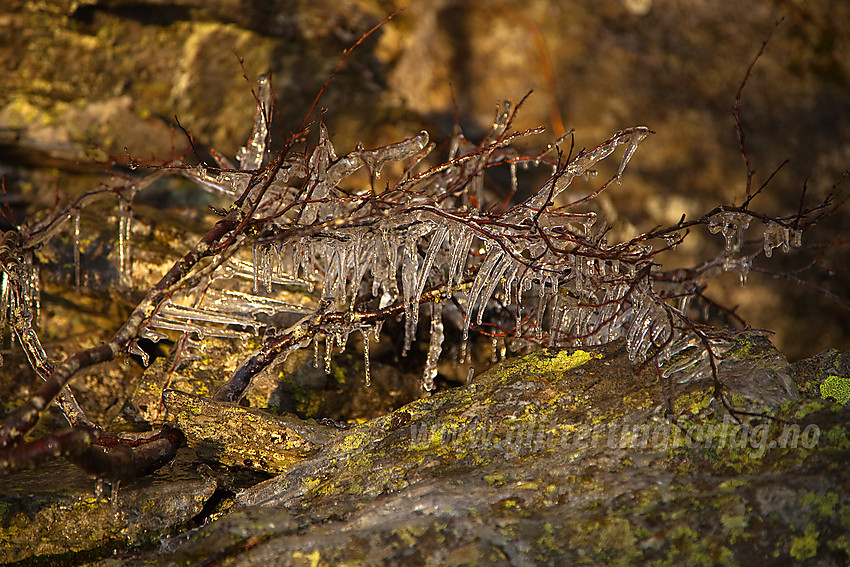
<point>570,456</point>
<point>563,457</point>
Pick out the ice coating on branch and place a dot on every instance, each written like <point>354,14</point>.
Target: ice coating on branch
<point>635,137</point>
<point>375,159</point>
<point>540,271</point>
<point>776,235</point>
<point>585,160</point>
<point>732,226</point>
<point>252,155</point>
<point>503,116</point>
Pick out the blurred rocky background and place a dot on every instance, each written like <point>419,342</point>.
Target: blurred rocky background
<point>88,82</point>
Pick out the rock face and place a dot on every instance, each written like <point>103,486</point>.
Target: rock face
<point>55,510</point>
<point>558,457</point>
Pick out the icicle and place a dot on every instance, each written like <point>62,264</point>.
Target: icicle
<point>662,330</point>
<point>435,346</point>
<point>358,272</point>
<point>637,136</point>
<point>732,225</point>
<point>316,352</point>
<point>4,307</point>
<point>740,265</point>
<point>251,156</point>
<point>77,249</point>
<point>34,287</point>
<point>488,273</point>
<point>684,303</point>
<point>457,262</point>
<point>495,277</point>
<point>435,245</point>
<point>328,347</point>
<point>776,235</point>
<point>510,285</point>
<point>541,309</point>
<point>139,351</point>
<point>266,261</point>
<point>409,269</point>
<point>366,362</point>
<point>255,261</point>
<point>637,330</point>
<point>125,217</point>
<point>388,268</point>
<point>589,219</point>
<point>341,337</point>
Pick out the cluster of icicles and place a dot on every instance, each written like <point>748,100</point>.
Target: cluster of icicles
<point>532,272</point>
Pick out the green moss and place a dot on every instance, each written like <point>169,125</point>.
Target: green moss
<point>688,547</point>
<point>547,542</point>
<point>837,388</point>
<point>841,543</point>
<point>825,503</point>
<point>731,485</point>
<point>735,525</point>
<point>744,347</point>
<point>805,546</point>
<point>496,479</point>
<point>837,437</point>
<point>844,516</point>
<point>809,407</point>
<point>545,362</point>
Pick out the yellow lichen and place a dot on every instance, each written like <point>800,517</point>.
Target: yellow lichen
<point>568,360</point>
<point>836,387</point>
<point>313,557</point>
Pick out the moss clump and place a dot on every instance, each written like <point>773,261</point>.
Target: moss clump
<point>825,503</point>
<point>805,546</point>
